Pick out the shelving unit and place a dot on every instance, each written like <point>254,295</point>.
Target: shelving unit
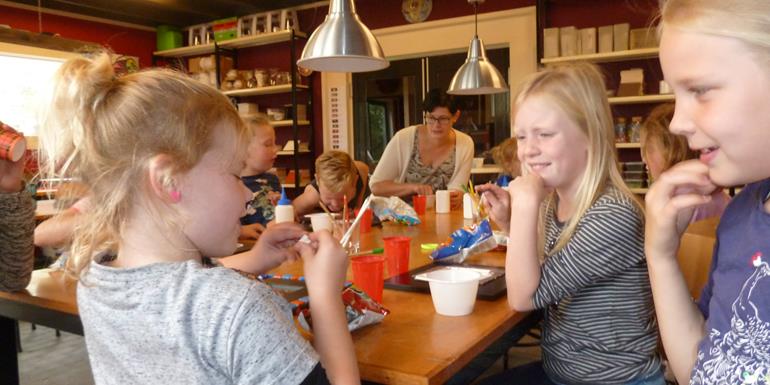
<point>644,99</point>
<point>605,57</point>
<point>628,145</point>
<point>231,47</point>
<point>639,190</point>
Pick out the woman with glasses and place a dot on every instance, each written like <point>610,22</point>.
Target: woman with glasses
<point>425,158</point>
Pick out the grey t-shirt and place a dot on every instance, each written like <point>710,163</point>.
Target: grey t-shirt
<point>181,323</point>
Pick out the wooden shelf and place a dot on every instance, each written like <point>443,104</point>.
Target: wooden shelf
<point>292,152</point>
<point>642,99</point>
<point>289,123</point>
<point>487,170</point>
<point>193,50</point>
<point>628,145</point>
<point>642,190</point>
<point>283,88</point>
<point>291,185</point>
<point>605,57</point>
<point>241,42</point>
<point>257,40</point>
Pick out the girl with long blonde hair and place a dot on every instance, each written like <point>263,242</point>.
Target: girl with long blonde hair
<point>575,244</point>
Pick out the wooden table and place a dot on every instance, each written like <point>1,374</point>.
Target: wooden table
<point>413,345</point>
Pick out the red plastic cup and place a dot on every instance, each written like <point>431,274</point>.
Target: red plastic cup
<point>365,225</point>
<point>419,202</point>
<point>397,254</point>
<point>368,271</point>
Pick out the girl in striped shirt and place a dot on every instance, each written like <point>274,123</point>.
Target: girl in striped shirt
<point>576,238</point>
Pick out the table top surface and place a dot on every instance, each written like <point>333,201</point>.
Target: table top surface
<point>412,345</point>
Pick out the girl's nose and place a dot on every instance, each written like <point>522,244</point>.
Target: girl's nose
<point>681,123</point>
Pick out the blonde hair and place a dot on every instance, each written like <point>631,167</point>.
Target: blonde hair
<point>744,20</point>
<point>257,120</point>
<point>104,130</point>
<point>335,170</point>
<point>505,155</point>
<point>673,148</point>
<point>578,91</point>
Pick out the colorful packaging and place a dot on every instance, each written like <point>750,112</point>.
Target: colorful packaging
<point>394,209</point>
<point>477,238</point>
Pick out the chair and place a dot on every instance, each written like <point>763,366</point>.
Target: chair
<point>694,254</point>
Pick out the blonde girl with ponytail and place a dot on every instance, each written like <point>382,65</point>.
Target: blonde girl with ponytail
<point>162,156</point>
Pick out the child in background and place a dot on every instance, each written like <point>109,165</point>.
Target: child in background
<point>715,55</point>
<point>504,155</point>
<point>661,149</point>
<point>588,270</point>
<point>166,196</point>
<point>338,176</point>
<point>265,186</point>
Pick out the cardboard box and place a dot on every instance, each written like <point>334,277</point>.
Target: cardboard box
<point>605,38</point>
<point>587,41</point>
<point>550,42</point>
<point>568,40</point>
<point>225,29</point>
<point>620,36</point>
<point>225,63</point>
<point>631,82</point>
<point>642,38</point>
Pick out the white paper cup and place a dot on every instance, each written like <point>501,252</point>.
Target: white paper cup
<point>320,221</point>
<point>442,201</point>
<point>453,291</point>
<point>478,162</point>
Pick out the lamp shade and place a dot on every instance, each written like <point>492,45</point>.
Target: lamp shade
<point>477,76</point>
<point>342,43</point>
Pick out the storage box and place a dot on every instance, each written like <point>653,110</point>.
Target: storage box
<point>168,37</point>
<point>605,38</point>
<point>631,82</point>
<point>568,41</point>
<point>620,36</point>
<point>633,166</point>
<point>550,42</point>
<point>225,29</point>
<point>301,111</point>
<point>587,41</point>
<point>642,38</point>
<point>248,108</point>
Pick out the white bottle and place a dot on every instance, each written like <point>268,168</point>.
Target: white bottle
<point>467,206</point>
<point>442,202</point>
<point>284,211</point>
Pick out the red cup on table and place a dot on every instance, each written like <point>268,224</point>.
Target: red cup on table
<point>397,254</point>
<point>365,225</point>
<point>419,202</point>
<point>368,272</point>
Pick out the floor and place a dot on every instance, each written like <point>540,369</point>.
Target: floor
<point>48,359</point>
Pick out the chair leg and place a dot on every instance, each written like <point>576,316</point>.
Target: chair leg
<point>58,333</point>
<point>18,338</point>
<point>34,327</point>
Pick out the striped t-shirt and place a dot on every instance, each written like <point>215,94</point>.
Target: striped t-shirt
<point>599,325</point>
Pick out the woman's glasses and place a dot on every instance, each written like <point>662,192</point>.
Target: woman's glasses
<point>444,120</point>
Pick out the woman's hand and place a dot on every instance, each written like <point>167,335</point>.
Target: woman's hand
<point>252,231</point>
<point>670,204</point>
<point>527,191</point>
<point>421,189</point>
<point>325,264</point>
<point>276,245</point>
<point>10,175</point>
<point>497,202</point>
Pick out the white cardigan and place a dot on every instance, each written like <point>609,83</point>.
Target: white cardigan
<point>395,159</point>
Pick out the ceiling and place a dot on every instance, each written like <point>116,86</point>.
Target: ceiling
<point>156,12</point>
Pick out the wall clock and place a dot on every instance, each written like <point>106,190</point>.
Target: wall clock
<point>416,11</point>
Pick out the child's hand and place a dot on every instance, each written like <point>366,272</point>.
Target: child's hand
<point>273,197</point>
<point>325,264</point>
<point>670,204</point>
<point>497,202</point>
<point>252,231</point>
<point>10,175</point>
<point>527,191</point>
<point>276,245</point>
<point>421,189</point>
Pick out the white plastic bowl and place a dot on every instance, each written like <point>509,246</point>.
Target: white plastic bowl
<point>453,290</point>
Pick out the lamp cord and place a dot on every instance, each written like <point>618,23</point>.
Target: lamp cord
<point>39,17</point>
<point>475,19</point>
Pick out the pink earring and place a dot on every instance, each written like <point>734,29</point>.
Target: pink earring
<point>175,196</point>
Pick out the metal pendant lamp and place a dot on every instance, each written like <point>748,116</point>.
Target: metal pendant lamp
<point>477,76</point>
<point>342,43</point>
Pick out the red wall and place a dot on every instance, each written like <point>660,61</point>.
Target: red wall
<point>122,40</point>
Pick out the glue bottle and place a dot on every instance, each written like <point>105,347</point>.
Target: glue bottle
<point>284,211</point>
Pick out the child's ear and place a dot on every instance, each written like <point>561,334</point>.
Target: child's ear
<point>163,179</point>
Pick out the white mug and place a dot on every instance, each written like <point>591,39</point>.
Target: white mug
<point>442,201</point>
